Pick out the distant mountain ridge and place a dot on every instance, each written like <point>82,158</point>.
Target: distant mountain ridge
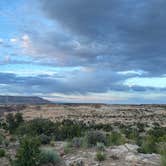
<point>22,100</point>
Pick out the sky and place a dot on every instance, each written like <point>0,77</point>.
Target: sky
<point>84,51</point>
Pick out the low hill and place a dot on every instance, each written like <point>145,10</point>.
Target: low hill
<point>23,100</point>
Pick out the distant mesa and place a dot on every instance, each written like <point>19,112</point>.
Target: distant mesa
<point>22,100</point>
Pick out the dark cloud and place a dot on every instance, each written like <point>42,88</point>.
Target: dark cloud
<point>74,83</point>
<point>124,35</point>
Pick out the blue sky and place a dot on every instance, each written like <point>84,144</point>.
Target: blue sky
<point>84,51</point>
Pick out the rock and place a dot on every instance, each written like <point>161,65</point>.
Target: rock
<point>62,153</point>
<point>131,157</point>
<point>114,157</point>
<point>118,151</point>
<point>77,162</point>
<point>131,147</point>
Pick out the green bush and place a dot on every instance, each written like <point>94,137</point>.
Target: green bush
<point>44,139</point>
<point>48,156</point>
<point>69,129</point>
<point>100,146</point>
<point>100,156</point>
<point>13,121</point>
<point>11,125</point>
<point>6,142</point>
<point>28,153</point>
<point>93,137</point>
<point>133,134</point>
<point>66,129</point>
<point>36,127</point>
<point>13,138</point>
<point>67,147</point>
<point>162,138</point>
<point>163,159</point>
<point>101,126</point>
<point>1,139</point>
<point>148,145</point>
<point>115,138</point>
<point>77,142</point>
<point>18,118</point>
<point>162,151</point>
<point>2,152</point>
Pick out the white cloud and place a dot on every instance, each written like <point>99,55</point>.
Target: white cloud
<point>134,72</point>
<point>13,40</point>
<point>25,41</point>
<point>154,82</point>
<point>1,41</point>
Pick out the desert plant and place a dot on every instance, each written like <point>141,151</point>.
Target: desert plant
<point>77,142</point>
<point>162,151</point>
<point>13,121</point>
<point>36,127</point>
<point>148,145</point>
<point>92,137</point>
<point>1,139</point>
<point>52,143</point>
<point>115,138</point>
<point>13,138</point>
<point>49,156</point>
<point>44,139</point>
<point>2,152</point>
<point>18,118</point>
<point>11,125</point>
<point>28,153</point>
<point>100,146</point>
<point>69,129</point>
<point>100,156</point>
<point>67,147</point>
<point>163,159</point>
<point>6,142</point>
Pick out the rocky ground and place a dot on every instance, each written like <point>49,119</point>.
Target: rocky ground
<point>123,155</point>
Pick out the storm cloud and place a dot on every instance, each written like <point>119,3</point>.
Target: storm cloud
<point>124,35</point>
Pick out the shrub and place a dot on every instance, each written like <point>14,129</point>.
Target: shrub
<point>66,129</point>
<point>92,137</point>
<point>67,147</point>
<point>13,138</point>
<point>163,159</point>
<point>44,139</point>
<point>11,125</point>
<point>100,126</point>
<point>48,156</point>
<point>18,118</point>
<point>77,142</point>
<point>1,139</point>
<point>100,146</point>
<point>6,142</point>
<point>162,151</point>
<point>28,153</point>
<point>133,134</point>
<point>148,145</point>
<point>36,127</point>
<point>116,138</point>
<point>52,143</point>
<point>2,152</point>
<point>100,156</point>
<point>69,129</point>
<point>13,121</point>
<point>162,138</point>
<point>157,131</point>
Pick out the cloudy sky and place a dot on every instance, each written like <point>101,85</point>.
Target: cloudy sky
<point>109,51</point>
